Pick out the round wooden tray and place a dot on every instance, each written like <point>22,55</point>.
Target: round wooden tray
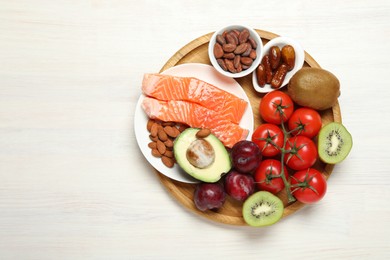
<point>231,212</point>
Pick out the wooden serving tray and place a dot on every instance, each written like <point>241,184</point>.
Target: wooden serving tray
<point>231,213</point>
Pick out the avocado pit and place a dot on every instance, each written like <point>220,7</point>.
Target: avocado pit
<point>200,153</point>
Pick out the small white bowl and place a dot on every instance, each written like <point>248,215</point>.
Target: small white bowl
<point>259,51</point>
<point>299,60</point>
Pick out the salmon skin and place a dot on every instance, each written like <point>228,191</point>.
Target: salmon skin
<point>166,87</point>
<point>196,116</point>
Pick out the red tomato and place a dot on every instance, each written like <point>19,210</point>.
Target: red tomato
<point>269,138</point>
<point>301,153</point>
<point>308,186</point>
<point>266,176</point>
<point>307,121</point>
<point>273,105</point>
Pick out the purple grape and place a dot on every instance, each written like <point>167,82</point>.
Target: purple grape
<point>246,156</point>
<point>239,186</point>
<point>209,196</point>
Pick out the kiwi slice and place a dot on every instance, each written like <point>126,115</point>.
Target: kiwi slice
<point>334,143</point>
<point>262,209</point>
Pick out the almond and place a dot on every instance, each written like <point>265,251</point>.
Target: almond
<point>154,129</point>
<point>153,138</point>
<point>149,124</point>
<point>168,143</point>
<point>162,135</point>
<point>168,153</point>
<point>161,147</point>
<point>169,162</point>
<point>169,131</point>
<point>156,153</point>
<point>202,133</point>
<point>152,145</point>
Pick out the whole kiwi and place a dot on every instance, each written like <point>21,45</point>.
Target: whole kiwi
<point>314,87</point>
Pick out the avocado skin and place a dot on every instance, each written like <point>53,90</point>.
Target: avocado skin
<point>315,88</point>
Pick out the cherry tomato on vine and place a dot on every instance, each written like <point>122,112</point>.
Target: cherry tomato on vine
<point>301,153</point>
<point>266,176</point>
<point>269,138</point>
<point>308,186</point>
<point>276,107</point>
<point>307,121</point>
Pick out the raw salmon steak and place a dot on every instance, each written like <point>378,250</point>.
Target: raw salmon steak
<point>166,87</point>
<point>197,116</point>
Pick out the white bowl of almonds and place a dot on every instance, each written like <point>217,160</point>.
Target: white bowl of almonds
<point>235,51</point>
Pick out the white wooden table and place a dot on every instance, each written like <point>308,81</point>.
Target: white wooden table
<point>73,183</point>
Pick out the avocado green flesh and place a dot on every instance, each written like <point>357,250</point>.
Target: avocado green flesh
<point>211,173</point>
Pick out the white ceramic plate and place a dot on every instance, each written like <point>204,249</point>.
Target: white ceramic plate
<point>206,73</point>
<point>299,60</point>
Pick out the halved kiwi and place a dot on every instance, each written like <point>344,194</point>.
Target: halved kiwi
<point>262,209</point>
<point>334,143</point>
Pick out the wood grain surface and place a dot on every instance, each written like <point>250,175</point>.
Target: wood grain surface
<point>231,212</point>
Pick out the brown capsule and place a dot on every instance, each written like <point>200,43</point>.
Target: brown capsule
<point>288,56</point>
<point>239,68</point>
<point>253,54</point>
<point>236,32</point>
<point>218,51</point>
<point>274,57</point>
<point>228,47</point>
<point>252,42</point>
<point>279,76</point>
<point>230,66</point>
<point>236,61</point>
<point>248,50</point>
<point>241,48</point>
<point>234,36</point>
<point>230,39</point>
<point>267,67</point>
<point>244,35</point>
<point>246,61</point>
<point>229,56</point>
<point>260,75</point>
<point>222,64</point>
<point>220,39</point>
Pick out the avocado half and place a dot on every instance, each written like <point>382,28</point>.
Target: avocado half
<point>205,159</point>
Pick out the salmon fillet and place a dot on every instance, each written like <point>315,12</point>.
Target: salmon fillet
<point>166,87</point>
<point>197,116</point>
